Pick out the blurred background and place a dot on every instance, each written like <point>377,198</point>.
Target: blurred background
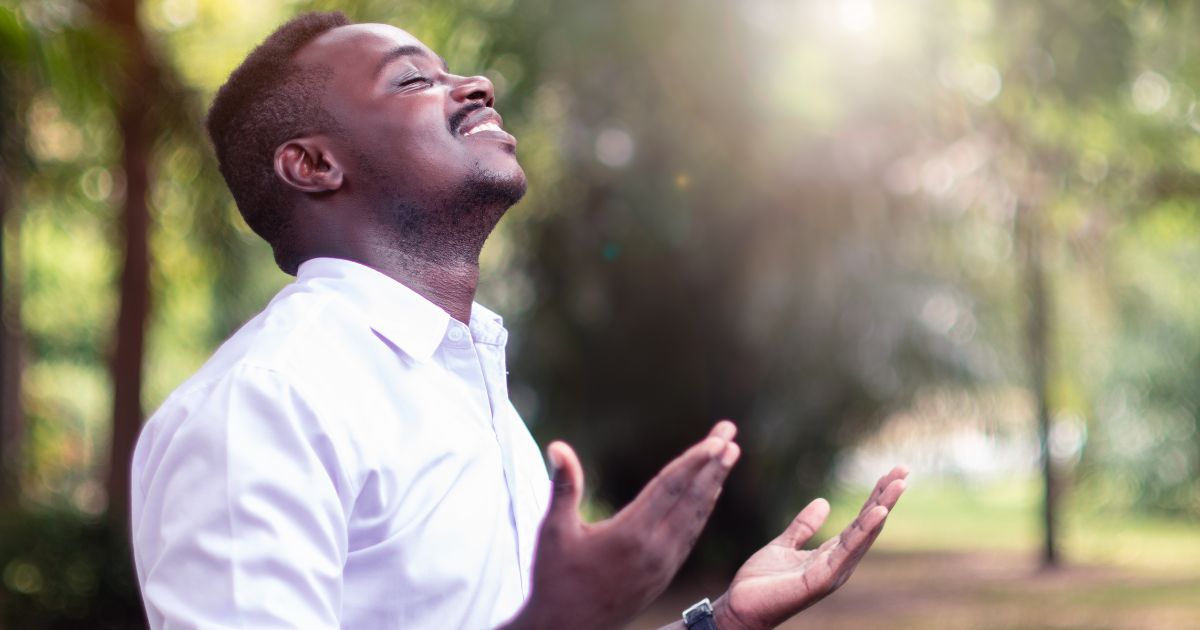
<point>958,234</point>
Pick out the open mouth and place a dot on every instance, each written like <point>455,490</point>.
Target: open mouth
<point>483,120</point>
<point>487,125</point>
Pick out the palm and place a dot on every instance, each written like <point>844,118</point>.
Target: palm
<point>777,572</point>
<point>782,578</point>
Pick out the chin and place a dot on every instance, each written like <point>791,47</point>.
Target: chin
<point>497,187</point>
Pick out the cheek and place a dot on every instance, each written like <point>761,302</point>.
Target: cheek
<point>429,145</point>
<point>414,154</point>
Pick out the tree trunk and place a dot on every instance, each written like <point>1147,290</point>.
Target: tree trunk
<point>9,430</point>
<point>11,416</point>
<point>1037,333</point>
<point>12,411</point>
<point>135,78</point>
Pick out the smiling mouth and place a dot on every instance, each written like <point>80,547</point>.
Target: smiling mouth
<point>487,125</point>
<point>479,119</point>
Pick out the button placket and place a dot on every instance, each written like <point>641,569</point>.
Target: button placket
<point>462,358</point>
<point>490,361</point>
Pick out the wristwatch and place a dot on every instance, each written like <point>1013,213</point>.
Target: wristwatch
<point>700,616</point>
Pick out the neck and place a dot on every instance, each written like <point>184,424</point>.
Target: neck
<point>449,282</point>
<point>450,285</point>
<point>432,250</point>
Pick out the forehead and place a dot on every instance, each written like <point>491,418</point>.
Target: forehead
<point>358,46</point>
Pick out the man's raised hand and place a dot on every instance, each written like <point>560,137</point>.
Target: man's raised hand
<point>782,578</point>
<point>599,575</point>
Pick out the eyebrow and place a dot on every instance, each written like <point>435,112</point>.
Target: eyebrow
<point>406,51</point>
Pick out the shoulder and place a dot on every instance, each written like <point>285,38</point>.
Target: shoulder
<point>302,337</point>
<point>298,326</point>
<point>274,373</point>
<point>247,418</point>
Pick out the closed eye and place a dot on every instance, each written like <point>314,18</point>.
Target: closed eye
<point>412,80</point>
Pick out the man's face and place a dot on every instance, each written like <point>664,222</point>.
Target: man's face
<point>408,120</point>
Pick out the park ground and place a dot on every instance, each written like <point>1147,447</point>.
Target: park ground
<point>957,556</point>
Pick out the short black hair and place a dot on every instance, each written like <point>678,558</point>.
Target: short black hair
<point>265,102</point>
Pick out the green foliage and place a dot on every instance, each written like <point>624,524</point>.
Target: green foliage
<point>1115,126</point>
<point>210,272</point>
<point>696,267</point>
<point>62,570</point>
<point>798,227</point>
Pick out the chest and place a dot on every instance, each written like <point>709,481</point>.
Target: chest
<point>453,487</point>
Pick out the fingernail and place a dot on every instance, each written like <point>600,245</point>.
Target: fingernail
<point>555,462</point>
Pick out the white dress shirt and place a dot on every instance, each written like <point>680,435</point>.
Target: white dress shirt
<point>348,459</point>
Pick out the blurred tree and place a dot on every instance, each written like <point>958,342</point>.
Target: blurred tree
<point>58,569</point>
<point>1038,339</point>
<point>137,83</point>
<point>886,180</point>
<point>702,262</point>
<point>1103,39</point>
<point>34,58</point>
<point>13,51</point>
<point>1088,137</point>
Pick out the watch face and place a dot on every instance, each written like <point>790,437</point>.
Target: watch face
<point>698,611</point>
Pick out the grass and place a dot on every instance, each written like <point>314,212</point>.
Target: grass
<point>961,556</point>
<point>1005,517</point>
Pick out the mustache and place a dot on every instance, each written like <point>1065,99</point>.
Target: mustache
<point>457,118</point>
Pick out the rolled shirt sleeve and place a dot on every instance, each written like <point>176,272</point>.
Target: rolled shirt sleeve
<point>240,507</point>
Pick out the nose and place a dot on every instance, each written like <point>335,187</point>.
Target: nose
<point>477,88</point>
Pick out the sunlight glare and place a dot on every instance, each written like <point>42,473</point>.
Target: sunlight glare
<point>856,16</point>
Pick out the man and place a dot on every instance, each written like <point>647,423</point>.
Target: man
<point>349,458</point>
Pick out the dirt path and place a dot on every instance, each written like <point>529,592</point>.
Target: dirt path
<point>981,591</point>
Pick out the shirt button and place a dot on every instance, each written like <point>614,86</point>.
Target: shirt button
<point>455,334</point>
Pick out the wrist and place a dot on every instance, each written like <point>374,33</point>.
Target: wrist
<point>726,618</point>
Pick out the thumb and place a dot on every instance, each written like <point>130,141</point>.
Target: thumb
<point>566,475</point>
<point>806,524</point>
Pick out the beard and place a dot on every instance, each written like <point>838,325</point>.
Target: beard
<point>451,227</point>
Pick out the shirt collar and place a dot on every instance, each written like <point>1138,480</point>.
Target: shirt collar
<point>402,316</point>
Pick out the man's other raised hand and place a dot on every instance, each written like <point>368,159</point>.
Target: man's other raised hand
<point>600,575</point>
<point>783,578</point>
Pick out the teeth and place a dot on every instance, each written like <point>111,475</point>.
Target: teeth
<point>487,126</point>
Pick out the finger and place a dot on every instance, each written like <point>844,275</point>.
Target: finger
<point>848,548</point>
<point>899,472</point>
<point>891,494</point>
<point>889,500</point>
<point>665,490</point>
<point>805,525</point>
<point>860,529</point>
<point>724,429</point>
<point>677,480</point>
<point>683,522</point>
<point>566,475</point>
<point>862,532</point>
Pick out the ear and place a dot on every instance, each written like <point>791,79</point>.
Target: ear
<point>307,165</point>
